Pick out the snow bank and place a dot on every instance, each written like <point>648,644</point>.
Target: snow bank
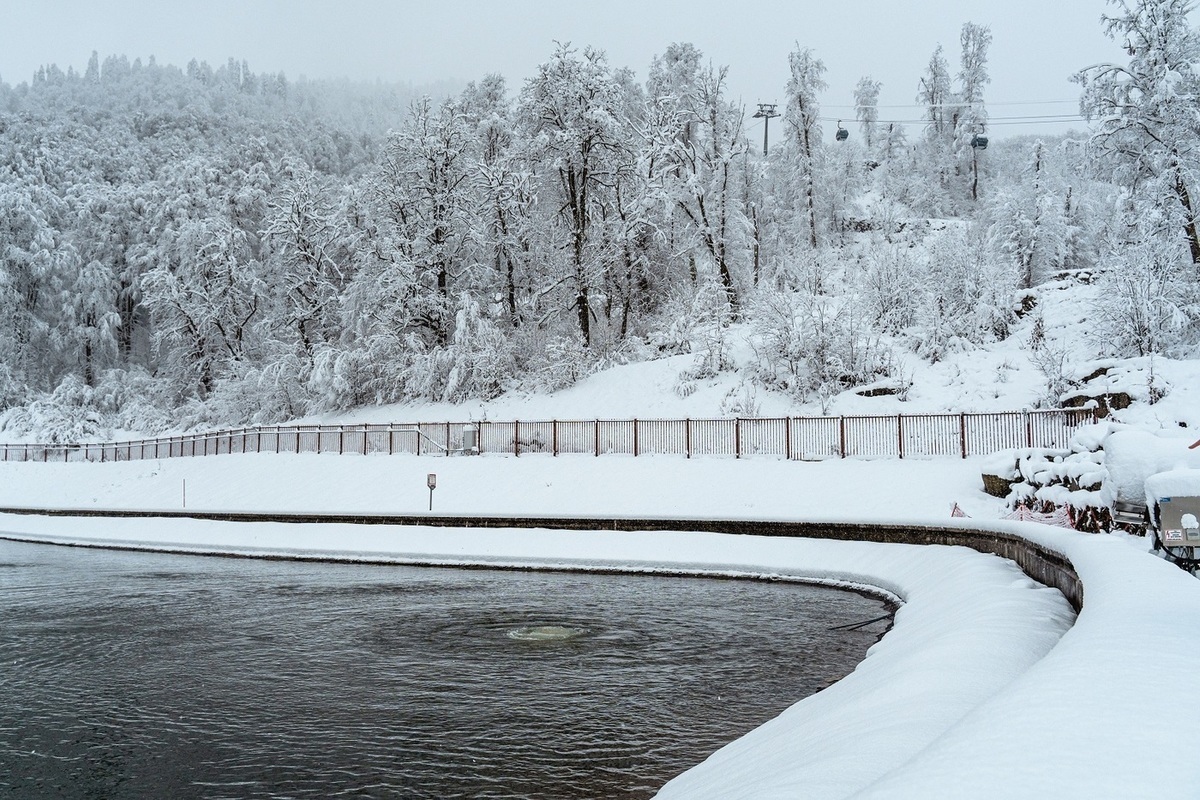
<point>1173,483</point>
<point>1098,716</point>
<point>529,485</point>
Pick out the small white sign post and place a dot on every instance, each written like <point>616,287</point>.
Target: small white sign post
<point>431,482</point>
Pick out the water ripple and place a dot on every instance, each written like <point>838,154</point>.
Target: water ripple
<point>143,676</point>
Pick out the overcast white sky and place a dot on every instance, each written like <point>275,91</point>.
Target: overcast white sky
<point>1037,44</point>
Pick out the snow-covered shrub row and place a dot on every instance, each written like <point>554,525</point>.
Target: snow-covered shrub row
<point>259,249</point>
<point>1048,479</point>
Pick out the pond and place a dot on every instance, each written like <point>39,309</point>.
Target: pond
<point>142,675</point>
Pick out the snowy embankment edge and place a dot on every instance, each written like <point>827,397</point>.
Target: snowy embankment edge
<point>973,690</point>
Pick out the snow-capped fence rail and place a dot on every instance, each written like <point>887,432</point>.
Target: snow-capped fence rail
<point>795,438</point>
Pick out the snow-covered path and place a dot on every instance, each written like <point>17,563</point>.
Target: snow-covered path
<point>973,693</point>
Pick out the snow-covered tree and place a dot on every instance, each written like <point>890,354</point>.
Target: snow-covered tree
<point>805,83</point>
<point>205,304</point>
<point>968,298</point>
<point>308,259</point>
<point>425,185</point>
<point>866,110</point>
<point>1145,112</point>
<point>1028,223</point>
<point>971,114</point>
<point>1149,303</point>
<point>709,160</point>
<point>570,111</point>
<point>87,325</point>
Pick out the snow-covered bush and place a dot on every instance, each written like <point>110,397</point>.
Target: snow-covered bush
<point>134,400</point>
<point>713,315</point>
<point>274,393</point>
<point>969,297</point>
<point>1051,359</point>
<point>564,361</point>
<point>740,401</point>
<point>68,414</point>
<point>358,376</point>
<point>674,328</point>
<point>892,285</point>
<point>481,356</point>
<point>808,345</point>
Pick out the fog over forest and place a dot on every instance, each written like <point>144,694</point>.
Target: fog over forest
<point>198,246</point>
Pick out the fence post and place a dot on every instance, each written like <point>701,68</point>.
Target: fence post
<point>962,433</point>
<point>516,438</point>
<point>554,436</point>
<point>900,433</point>
<point>737,437</point>
<point>635,437</point>
<point>842,436</point>
<point>687,432</point>
<point>1028,427</point>
<point>447,438</point>
<point>597,430</point>
<point>787,438</point>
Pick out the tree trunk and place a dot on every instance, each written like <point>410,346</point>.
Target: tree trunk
<point>756,249</point>
<point>1189,225</point>
<point>810,190</point>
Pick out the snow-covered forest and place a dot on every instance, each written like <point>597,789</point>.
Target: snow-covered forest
<point>199,246</point>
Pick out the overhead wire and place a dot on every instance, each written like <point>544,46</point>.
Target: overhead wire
<point>1075,101</point>
<point>1024,119</point>
<point>1013,119</point>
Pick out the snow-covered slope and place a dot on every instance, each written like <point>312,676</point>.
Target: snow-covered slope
<point>1000,376</point>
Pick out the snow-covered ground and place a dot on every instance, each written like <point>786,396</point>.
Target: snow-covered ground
<point>984,687</point>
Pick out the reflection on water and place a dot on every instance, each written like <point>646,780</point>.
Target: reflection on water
<point>136,675</point>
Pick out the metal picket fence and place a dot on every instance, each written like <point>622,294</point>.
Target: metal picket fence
<point>795,438</point>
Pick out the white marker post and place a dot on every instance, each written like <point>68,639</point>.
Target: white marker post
<point>431,482</point>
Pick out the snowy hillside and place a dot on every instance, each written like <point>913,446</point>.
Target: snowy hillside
<point>1001,376</point>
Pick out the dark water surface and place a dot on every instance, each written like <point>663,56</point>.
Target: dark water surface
<point>139,675</point>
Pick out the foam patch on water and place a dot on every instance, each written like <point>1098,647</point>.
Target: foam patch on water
<point>544,633</point>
